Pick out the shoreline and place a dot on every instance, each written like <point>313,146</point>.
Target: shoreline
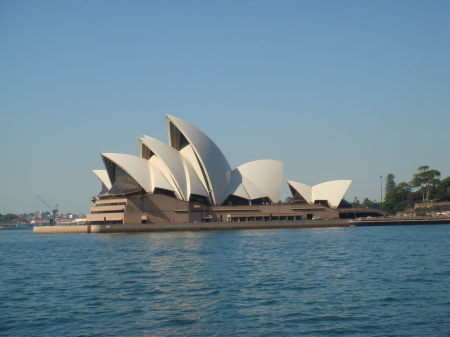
<point>136,228</point>
<point>400,221</point>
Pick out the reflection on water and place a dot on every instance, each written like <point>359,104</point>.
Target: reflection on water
<point>319,282</point>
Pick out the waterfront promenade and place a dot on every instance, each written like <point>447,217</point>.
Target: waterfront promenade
<point>202,226</point>
<point>399,221</point>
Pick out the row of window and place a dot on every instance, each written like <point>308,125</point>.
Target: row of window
<point>268,218</point>
<point>112,204</point>
<point>101,212</point>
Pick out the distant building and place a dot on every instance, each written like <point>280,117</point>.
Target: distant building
<point>190,180</point>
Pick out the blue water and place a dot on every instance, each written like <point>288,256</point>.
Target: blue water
<point>380,281</point>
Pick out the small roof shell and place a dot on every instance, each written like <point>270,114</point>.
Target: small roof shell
<point>137,167</point>
<point>266,175</point>
<point>103,176</point>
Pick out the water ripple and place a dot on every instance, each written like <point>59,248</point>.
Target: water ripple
<point>319,282</point>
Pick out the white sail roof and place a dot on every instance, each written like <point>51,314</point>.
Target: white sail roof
<point>192,164</point>
<point>331,191</point>
<point>254,192</point>
<point>304,190</point>
<point>236,186</point>
<point>171,164</point>
<point>158,179</point>
<point>214,165</point>
<point>138,168</point>
<point>266,175</point>
<point>194,184</point>
<point>103,176</point>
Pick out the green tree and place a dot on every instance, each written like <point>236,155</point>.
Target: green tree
<point>9,217</point>
<point>390,183</point>
<point>356,203</point>
<point>425,181</point>
<point>398,199</point>
<point>443,190</point>
<point>367,203</point>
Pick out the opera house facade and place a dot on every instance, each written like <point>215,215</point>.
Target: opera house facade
<point>190,180</point>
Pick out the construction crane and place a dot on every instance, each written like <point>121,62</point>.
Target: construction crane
<point>54,210</point>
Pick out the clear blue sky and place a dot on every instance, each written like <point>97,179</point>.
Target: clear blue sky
<point>334,89</point>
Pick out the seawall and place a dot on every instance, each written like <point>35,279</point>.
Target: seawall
<point>62,229</point>
<point>203,226</point>
<point>189,226</point>
<point>400,221</point>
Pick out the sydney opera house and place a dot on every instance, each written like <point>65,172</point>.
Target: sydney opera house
<point>190,180</point>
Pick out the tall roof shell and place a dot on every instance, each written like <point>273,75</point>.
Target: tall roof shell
<point>172,163</point>
<point>158,178</point>
<point>215,166</point>
<point>190,157</point>
<point>194,184</point>
<point>266,175</point>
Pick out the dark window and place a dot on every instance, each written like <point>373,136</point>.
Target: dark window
<point>99,212</point>
<point>199,198</point>
<point>233,200</point>
<point>164,192</point>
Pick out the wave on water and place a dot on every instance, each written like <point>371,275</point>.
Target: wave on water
<point>352,282</point>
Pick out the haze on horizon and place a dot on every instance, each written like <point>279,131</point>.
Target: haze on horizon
<point>336,90</point>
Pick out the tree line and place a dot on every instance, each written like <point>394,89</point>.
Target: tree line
<point>8,217</point>
<point>425,187</point>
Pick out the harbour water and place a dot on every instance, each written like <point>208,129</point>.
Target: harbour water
<point>356,281</point>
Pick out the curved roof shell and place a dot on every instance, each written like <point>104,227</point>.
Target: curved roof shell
<point>331,191</point>
<point>253,191</point>
<point>103,176</point>
<point>192,164</point>
<point>304,190</point>
<point>171,163</point>
<point>147,175</point>
<point>257,179</point>
<point>158,178</point>
<point>266,175</point>
<point>138,168</point>
<point>214,166</point>
<point>195,186</point>
<point>236,186</point>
